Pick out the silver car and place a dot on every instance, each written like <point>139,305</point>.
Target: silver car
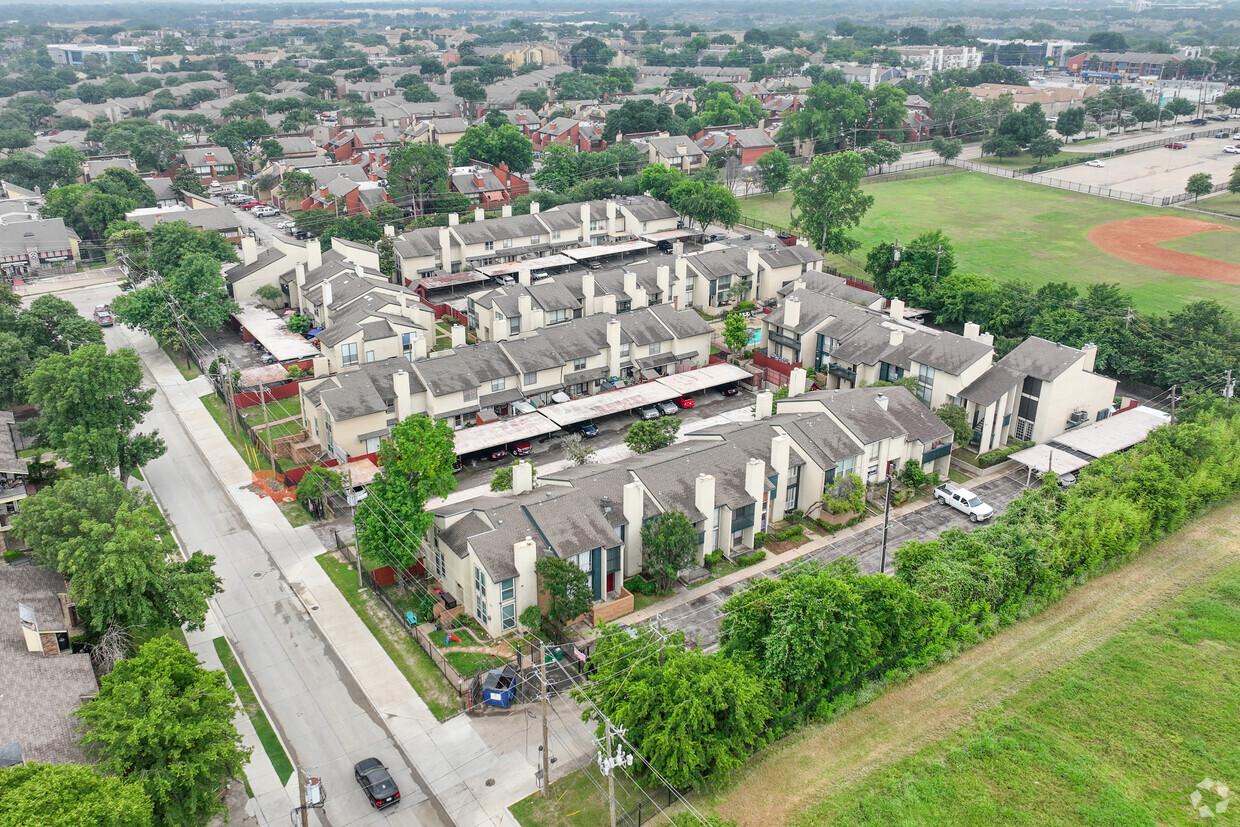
<point>667,408</point>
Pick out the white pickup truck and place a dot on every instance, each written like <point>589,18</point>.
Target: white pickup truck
<point>965,501</point>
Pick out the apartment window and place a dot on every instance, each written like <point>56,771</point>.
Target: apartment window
<point>470,394</point>
<point>441,570</point>
<point>925,383</point>
<point>480,595</point>
<point>370,356</point>
<point>499,316</point>
<point>555,235</point>
<point>531,377</point>
<point>488,245</point>
<point>794,488</point>
<point>406,342</point>
<point>497,384</point>
<point>579,364</point>
<point>507,590</point>
<point>507,243</point>
<point>656,348</point>
<point>508,616</point>
<point>624,306</point>
<point>583,561</point>
<point>577,390</point>
<point>624,350</point>
<point>845,467</point>
<point>535,239</point>
<point>557,316</point>
<point>514,325</point>
<point>348,354</point>
<point>372,445</point>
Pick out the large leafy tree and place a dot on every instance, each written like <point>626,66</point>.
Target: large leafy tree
<point>85,209</point>
<point>642,116</point>
<point>416,173</point>
<point>184,304</point>
<point>151,146</point>
<point>503,144</point>
<point>645,436</point>
<point>828,111</point>
<point>669,544</point>
<point>696,718</point>
<point>50,325</point>
<point>90,401</point>
<point>567,588</point>
<point>186,180</point>
<point>125,183</point>
<point>774,171</point>
<point>415,464</point>
<point>829,201</point>
<point>70,795</point>
<point>173,241</point>
<point>106,541</point>
<point>161,718</point>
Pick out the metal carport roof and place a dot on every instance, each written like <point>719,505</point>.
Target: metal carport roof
<point>606,404</point>
<point>710,376</point>
<point>517,429</point>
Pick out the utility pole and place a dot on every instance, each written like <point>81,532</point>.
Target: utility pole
<point>611,779</point>
<point>1229,389</point>
<point>301,788</point>
<point>1128,317</point>
<point>546,754</point>
<point>886,516</point>
<point>1173,401</point>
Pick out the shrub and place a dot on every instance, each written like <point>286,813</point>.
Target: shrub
<point>846,495</point>
<point>713,559</point>
<point>795,517</point>
<point>760,538</point>
<point>795,532</point>
<point>751,558</point>
<point>640,585</point>
<point>1000,454</point>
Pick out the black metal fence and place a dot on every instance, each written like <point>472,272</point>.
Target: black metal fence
<point>646,810</point>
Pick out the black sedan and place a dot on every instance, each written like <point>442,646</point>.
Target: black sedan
<point>376,782</point>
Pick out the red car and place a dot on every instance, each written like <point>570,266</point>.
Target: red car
<point>684,401</point>
<point>497,454</point>
<point>1177,145</point>
<point>522,449</point>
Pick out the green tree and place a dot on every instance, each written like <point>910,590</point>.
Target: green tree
<point>534,99</point>
<point>735,333</point>
<point>650,435</point>
<point>1144,112</point>
<point>296,185</point>
<point>1233,183</point>
<point>470,91</point>
<point>163,719</point>
<point>1179,107</point>
<point>1044,146</point>
<point>947,148</point>
<point>1072,121</point>
<point>774,171</point>
<point>956,418</point>
<point>90,401</point>
<point>415,171</point>
<point>193,296</point>
<point>567,588</point>
<point>416,464</point>
<point>956,111</point>
<point>880,153</point>
<point>69,795</point>
<point>1000,146</point>
<point>186,180</point>
<point>1199,184</point>
<point>829,201</point>
<point>494,145</point>
<point>174,241</point>
<point>318,483</point>
<point>669,544</point>
<point>590,50</point>
<point>52,325</point>
<point>642,116</point>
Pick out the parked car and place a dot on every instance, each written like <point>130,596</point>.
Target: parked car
<point>587,429</point>
<point>685,401</point>
<point>1224,134</point>
<point>716,237</point>
<point>522,449</point>
<point>457,466</point>
<point>964,501</point>
<point>1177,145</point>
<point>1232,150</point>
<point>215,185</point>
<point>729,390</point>
<point>648,412</point>
<point>104,318</point>
<point>667,407</point>
<point>376,782</point>
<point>665,246</point>
<point>1094,163</point>
<point>246,205</point>
<point>285,225</point>
<point>266,212</point>
<point>1199,122</point>
<point>496,454</point>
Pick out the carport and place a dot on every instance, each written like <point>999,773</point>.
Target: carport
<point>1073,450</point>
<point>613,249</point>
<point>606,404</point>
<point>668,235</point>
<point>692,381</point>
<point>271,331</point>
<point>504,432</point>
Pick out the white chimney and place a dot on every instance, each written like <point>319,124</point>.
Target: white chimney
<point>534,208</point>
<point>327,298</point>
<point>524,556</point>
<point>753,261</point>
<point>972,331</point>
<point>764,406</point>
<point>704,500</point>
<point>389,231</point>
<point>454,219</point>
<point>404,404</point>
<point>506,211</point>
<point>755,478</point>
<point>634,505</point>
<point>457,332</point>
<point>630,283</point>
<point>796,382</point>
<point>587,294</point>
<point>881,399</point>
<point>678,248</point>
<point>792,312</point>
<point>480,214</point>
<point>1091,354</point>
<point>663,277</point>
<point>799,284</point>
<point>314,254</point>
<point>895,336</point>
<point>613,348</point>
<point>780,454</point>
<point>525,306</point>
<point>299,276</point>
<point>896,309</point>
<point>523,276</point>
<point>249,249</point>
<point>522,477</point>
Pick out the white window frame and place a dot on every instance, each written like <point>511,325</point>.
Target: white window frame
<point>470,394</point>
<point>656,348</point>
<point>497,384</point>
<point>348,354</point>
<point>531,377</point>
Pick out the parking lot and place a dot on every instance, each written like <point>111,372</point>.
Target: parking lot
<point>700,618</point>
<point>1158,172</point>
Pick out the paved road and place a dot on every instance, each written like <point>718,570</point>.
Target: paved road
<point>315,702</point>
<point>699,618</point>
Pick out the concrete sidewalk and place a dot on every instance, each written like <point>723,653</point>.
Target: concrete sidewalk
<point>474,782</point>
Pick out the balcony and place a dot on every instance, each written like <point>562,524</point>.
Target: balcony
<point>936,453</point>
<point>784,339</point>
<point>842,372</point>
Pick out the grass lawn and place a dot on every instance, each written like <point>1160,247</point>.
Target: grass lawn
<point>1219,245</point>
<point>249,702</point>
<point>219,412</point>
<point>576,801</point>
<point>641,601</point>
<point>467,663</point>
<point>1227,203</point>
<point>414,664</point>
<point>1121,736</point>
<point>1015,230</point>
<point>1025,160</point>
<point>178,358</point>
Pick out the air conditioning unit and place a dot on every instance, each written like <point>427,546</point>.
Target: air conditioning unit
<point>1079,416</point>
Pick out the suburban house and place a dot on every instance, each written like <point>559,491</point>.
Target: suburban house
<point>731,483</point>
<point>44,681</point>
<point>209,163</point>
<point>1037,392</point>
<point>487,185</point>
<point>746,144</point>
<point>678,152</point>
<point>583,136</point>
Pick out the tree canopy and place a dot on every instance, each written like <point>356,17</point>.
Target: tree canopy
<point>70,795</point>
<point>504,144</point>
<point>567,588</point>
<point>669,544</point>
<point>645,436</point>
<point>829,201</point>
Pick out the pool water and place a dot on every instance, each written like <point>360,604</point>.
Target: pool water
<point>755,337</point>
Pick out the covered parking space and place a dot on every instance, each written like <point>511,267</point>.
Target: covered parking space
<point>711,376</point>
<point>504,432</point>
<point>607,404</point>
<point>263,325</point>
<point>1071,451</point>
<point>582,254</point>
<point>668,235</point>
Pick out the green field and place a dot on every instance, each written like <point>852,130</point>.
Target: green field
<point>1121,736</point>
<point>1014,230</point>
<point>1227,203</point>
<point>1219,245</point>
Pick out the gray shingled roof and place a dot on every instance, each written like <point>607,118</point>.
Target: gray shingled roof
<point>1040,358</point>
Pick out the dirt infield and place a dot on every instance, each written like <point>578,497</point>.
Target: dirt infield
<point>1137,240</point>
